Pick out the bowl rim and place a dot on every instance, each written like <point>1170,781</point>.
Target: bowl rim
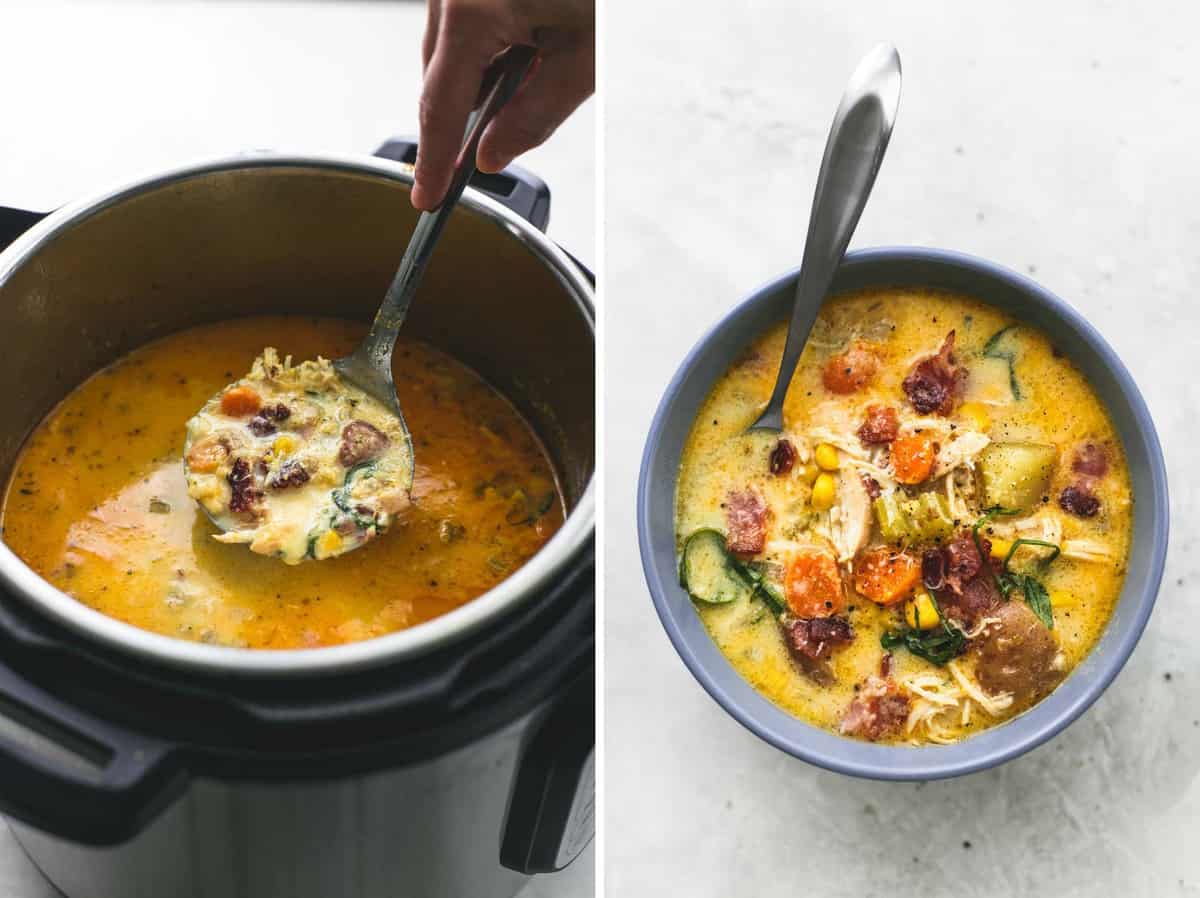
<point>817,746</point>
<point>563,549</point>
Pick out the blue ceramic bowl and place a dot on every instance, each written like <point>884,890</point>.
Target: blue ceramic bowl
<point>1025,300</point>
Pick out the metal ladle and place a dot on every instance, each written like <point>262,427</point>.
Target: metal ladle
<point>369,366</point>
<point>854,150</point>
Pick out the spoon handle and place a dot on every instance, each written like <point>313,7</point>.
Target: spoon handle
<point>500,83</point>
<point>857,140</point>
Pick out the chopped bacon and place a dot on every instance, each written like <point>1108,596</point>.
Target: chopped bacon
<point>818,636</point>
<point>810,643</point>
<point>963,558</point>
<point>882,425</point>
<point>879,710</point>
<point>885,665</point>
<point>783,456</point>
<point>973,601</point>
<point>245,495</point>
<point>278,412</point>
<point>933,569</point>
<point>360,441</point>
<point>936,383</point>
<point>1090,460</point>
<point>746,515</point>
<point>292,473</point>
<point>850,371</point>
<point>1079,501</point>
<point>871,485</point>
<point>260,425</point>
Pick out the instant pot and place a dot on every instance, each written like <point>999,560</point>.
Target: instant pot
<point>451,759</point>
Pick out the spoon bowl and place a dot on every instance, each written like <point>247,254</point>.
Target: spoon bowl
<point>854,151</point>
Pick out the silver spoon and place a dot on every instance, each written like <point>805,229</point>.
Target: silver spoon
<point>854,150</point>
<point>369,366</point>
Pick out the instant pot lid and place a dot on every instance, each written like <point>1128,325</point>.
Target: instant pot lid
<point>549,564</point>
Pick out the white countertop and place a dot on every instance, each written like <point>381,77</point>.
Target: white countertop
<point>97,91</point>
<point>1057,139</point>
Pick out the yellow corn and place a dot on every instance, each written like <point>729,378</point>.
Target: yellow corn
<point>920,612</point>
<point>1000,547</point>
<point>827,457</point>
<point>807,473</point>
<point>976,414</point>
<point>328,543</point>
<point>283,445</point>
<point>824,492</point>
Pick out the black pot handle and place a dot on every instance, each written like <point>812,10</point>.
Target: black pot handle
<point>551,809</point>
<point>15,222</point>
<point>98,789</point>
<point>517,188</point>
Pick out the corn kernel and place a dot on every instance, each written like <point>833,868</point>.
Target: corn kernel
<point>827,457</point>
<point>328,543</point>
<point>920,612</point>
<point>283,445</point>
<point>824,492</point>
<point>807,473</point>
<point>977,415</point>
<point>1000,547</point>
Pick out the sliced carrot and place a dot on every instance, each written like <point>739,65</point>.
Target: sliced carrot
<point>913,457</point>
<point>240,401</point>
<point>206,454</point>
<point>886,576</point>
<point>814,585</point>
<point>850,371</point>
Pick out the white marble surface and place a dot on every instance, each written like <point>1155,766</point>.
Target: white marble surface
<point>1058,139</point>
<point>95,91</point>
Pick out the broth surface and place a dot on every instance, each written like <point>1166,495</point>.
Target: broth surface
<point>97,503</point>
<point>902,326</point>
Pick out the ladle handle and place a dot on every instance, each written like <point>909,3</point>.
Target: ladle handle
<point>508,70</point>
<point>857,140</point>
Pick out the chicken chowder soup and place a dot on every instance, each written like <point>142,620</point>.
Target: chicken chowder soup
<point>936,539</point>
<point>98,503</point>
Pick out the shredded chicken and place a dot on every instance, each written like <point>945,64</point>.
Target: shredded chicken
<point>850,518</point>
<point>944,703</point>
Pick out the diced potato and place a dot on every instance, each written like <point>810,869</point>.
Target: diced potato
<point>1015,475</point>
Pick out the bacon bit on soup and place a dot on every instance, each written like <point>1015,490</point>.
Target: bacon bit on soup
<point>260,425</point>
<point>360,441</point>
<point>746,515</point>
<point>871,485</point>
<point>936,383</point>
<point>239,402</point>
<point>279,412</point>
<point>813,586</point>
<point>963,558</point>
<point>810,642</point>
<point>850,371</point>
<point>245,495</point>
<point>817,637</point>
<point>933,568</point>
<point>1079,501</point>
<point>886,576</point>
<point>882,425</point>
<point>879,710</point>
<point>913,457</point>
<point>292,473</point>
<point>783,456</point>
<point>206,455</point>
<point>1090,460</point>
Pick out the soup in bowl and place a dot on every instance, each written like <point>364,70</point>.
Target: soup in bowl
<point>950,548</point>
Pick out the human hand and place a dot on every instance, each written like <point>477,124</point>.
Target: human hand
<point>462,37</point>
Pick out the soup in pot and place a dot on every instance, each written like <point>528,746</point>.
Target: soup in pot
<point>936,539</point>
<point>98,502</point>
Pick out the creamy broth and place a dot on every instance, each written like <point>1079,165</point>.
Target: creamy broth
<point>98,504</point>
<point>723,470</point>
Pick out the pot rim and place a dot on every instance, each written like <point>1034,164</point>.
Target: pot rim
<point>903,763</point>
<point>19,579</point>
